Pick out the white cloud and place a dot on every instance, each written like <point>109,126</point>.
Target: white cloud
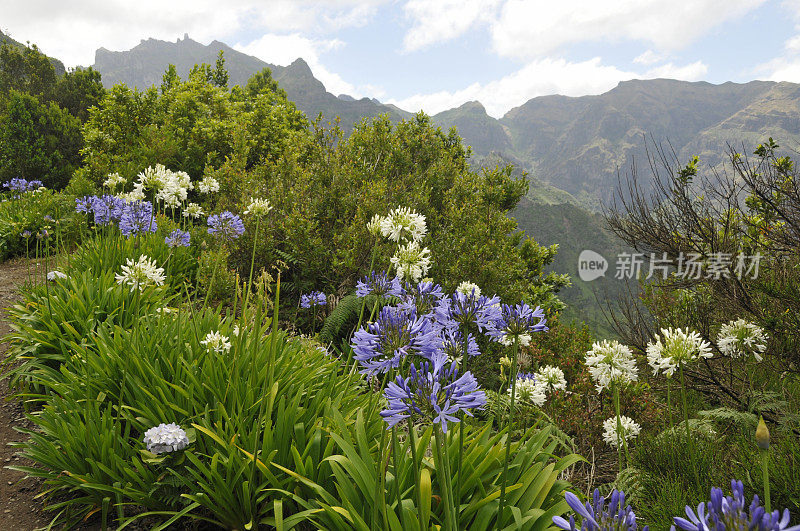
<point>534,28</point>
<point>72,31</point>
<point>443,20</point>
<point>539,78</point>
<point>691,72</point>
<point>648,58</point>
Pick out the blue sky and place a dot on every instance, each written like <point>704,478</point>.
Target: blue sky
<point>437,54</point>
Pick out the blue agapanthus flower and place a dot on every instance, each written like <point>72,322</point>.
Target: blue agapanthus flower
<point>599,515</point>
<point>20,185</point>
<point>136,217</point>
<point>378,284</point>
<point>104,208</point>
<point>395,334</point>
<point>83,204</point>
<point>423,297</point>
<point>315,298</point>
<point>178,238</point>
<point>434,393</point>
<point>227,225</point>
<point>453,344</point>
<point>517,322</point>
<point>460,309</point>
<point>723,513</point>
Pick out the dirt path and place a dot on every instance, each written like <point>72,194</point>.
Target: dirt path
<point>19,510</point>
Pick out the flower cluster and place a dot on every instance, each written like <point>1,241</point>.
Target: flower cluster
<point>21,185</point>
<point>395,334</point>
<point>465,310</point>
<point>529,390</point>
<point>192,210</point>
<point>54,275</point>
<point>141,274</point>
<point>452,344</point>
<point>422,297</point>
<point>208,185</point>
<point>517,323</point>
<point>740,338</point>
<point>258,207</point>
<point>597,515</point>
<point>723,513</point>
<point>178,238</point>
<point>315,298</point>
<point>411,262</point>
<point>551,378</point>
<point>216,342</point>
<point>468,288</point>
<point>378,284</point>
<point>611,363</point>
<point>137,217</point>
<point>165,438</point>
<point>675,347</point>
<point>403,224</point>
<point>435,393</point>
<point>105,208</point>
<point>114,180</point>
<point>226,225</point>
<point>630,429</point>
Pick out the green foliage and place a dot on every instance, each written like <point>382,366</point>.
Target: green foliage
<point>38,141</point>
<point>27,213</point>
<point>358,502</point>
<point>187,126</point>
<point>25,70</point>
<point>343,319</point>
<point>79,90</point>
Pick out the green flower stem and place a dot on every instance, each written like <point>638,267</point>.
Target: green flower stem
<point>376,505</point>
<point>689,441</point>
<point>252,264</point>
<point>622,443</point>
<point>442,473</point>
<point>509,423</point>
<point>413,443</point>
<point>396,466</point>
<point>364,299</point>
<point>213,276</point>
<point>459,481</point>
<point>765,474</point>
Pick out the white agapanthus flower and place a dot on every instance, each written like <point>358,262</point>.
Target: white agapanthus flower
<point>552,378</point>
<point>740,338</point>
<point>235,331</point>
<point>630,429</point>
<point>675,347</point>
<point>468,288</point>
<point>611,362</point>
<point>166,310</point>
<point>184,180</point>
<point>258,207</point>
<point>530,390</point>
<point>523,340</point>
<point>165,438</point>
<point>214,341</point>
<point>141,274</point>
<point>55,274</point>
<point>411,262</point>
<point>114,180</point>
<point>208,185</point>
<point>152,178</point>
<point>193,210</point>
<point>137,194</point>
<point>404,224</point>
<point>374,225</point>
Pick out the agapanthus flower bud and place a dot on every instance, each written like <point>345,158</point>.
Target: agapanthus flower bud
<point>762,434</point>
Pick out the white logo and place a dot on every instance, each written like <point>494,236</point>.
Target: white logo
<point>591,265</point>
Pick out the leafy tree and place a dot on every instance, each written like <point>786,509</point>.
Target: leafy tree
<point>26,70</point>
<point>78,90</point>
<point>187,125</point>
<point>38,141</point>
